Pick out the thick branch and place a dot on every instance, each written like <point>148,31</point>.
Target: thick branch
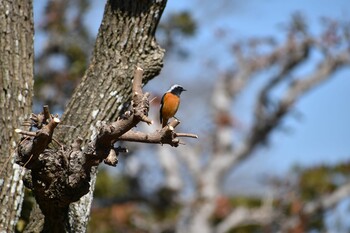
<point>109,133</point>
<point>165,136</point>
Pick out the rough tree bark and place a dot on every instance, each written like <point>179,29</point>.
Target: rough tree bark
<point>125,39</point>
<point>59,177</point>
<point>16,82</point>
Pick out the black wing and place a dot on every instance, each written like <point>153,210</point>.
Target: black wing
<point>161,108</point>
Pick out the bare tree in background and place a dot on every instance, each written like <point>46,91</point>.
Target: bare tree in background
<point>200,213</point>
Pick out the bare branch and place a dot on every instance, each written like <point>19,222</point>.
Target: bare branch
<point>35,143</point>
<point>310,208</point>
<point>46,113</point>
<point>243,216</point>
<point>328,201</point>
<point>263,126</point>
<point>328,66</point>
<point>292,55</point>
<point>113,131</point>
<point>26,133</point>
<point>186,135</point>
<point>266,214</point>
<point>164,136</point>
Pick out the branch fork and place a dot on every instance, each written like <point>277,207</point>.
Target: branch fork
<point>60,176</point>
<point>34,143</point>
<point>101,148</point>
<point>121,130</point>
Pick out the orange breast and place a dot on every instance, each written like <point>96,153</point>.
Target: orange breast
<point>170,105</point>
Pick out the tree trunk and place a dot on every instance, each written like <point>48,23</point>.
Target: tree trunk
<point>125,40</point>
<point>16,81</point>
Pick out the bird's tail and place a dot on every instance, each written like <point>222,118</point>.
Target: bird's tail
<point>164,123</point>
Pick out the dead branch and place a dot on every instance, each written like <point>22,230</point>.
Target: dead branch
<point>293,55</point>
<point>265,124</point>
<point>310,208</point>
<point>34,144</point>
<point>242,216</point>
<point>266,214</point>
<point>167,135</point>
<point>328,201</point>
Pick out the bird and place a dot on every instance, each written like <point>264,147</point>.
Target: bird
<point>170,103</point>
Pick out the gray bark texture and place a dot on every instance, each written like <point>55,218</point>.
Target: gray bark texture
<point>16,83</point>
<point>125,40</point>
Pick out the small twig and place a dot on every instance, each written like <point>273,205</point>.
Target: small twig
<point>30,158</point>
<point>137,82</point>
<point>24,139</point>
<point>186,135</point>
<point>112,158</point>
<point>144,118</point>
<point>46,112</point>
<point>27,123</point>
<point>26,133</point>
<point>154,98</point>
<point>58,143</point>
<point>39,141</point>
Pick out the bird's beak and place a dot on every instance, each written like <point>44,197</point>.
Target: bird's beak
<point>184,90</point>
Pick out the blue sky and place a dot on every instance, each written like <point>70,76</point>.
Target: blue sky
<point>322,136</point>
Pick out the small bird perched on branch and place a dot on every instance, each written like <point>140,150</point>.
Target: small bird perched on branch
<point>170,103</point>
